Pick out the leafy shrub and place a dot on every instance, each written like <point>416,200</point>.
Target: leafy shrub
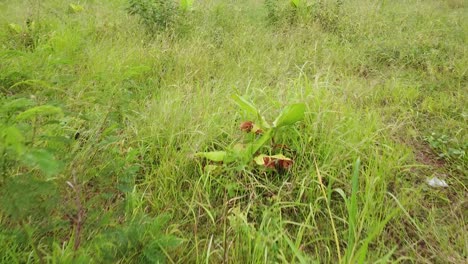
<point>155,15</point>
<point>282,12</point>
<point>143,240</point>
<point>28,165</point>
<point>325,13</point>
<point>19,133</point>
<point>23,37</point>
<point>447,147</point>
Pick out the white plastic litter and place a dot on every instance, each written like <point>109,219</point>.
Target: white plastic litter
<point>436,182</point>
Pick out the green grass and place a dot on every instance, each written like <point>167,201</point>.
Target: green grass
<point>112,176</point>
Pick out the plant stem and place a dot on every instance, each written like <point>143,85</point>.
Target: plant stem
<point>322,187</point>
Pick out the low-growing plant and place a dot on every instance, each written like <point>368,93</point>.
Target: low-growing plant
<point>23,36</point>
<point>446,147</point>
<point>75,8</point>
<point>186,5</point>
<point>20,121</point>
<point>323,12</point>
<point>143,240</point>
<point>155,15</point>
<point>28,191</point>
<point>260,133</point>
<point>280,12</point>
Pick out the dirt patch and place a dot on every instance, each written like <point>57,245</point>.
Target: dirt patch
<point>425,155</point>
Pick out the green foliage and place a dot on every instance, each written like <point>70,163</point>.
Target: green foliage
<point>25,36</point>
<point>143,240</point>
<point>447,147</point>
<point>352,206</point>
<point>280,12</point>
<point>27,198</point>
<point>290,115</point>
<point>186,5</point>
<point>263,133</point>
<point>75,8</point>
<point>326,13</point>
<point>38,111</point>
<point>155,15</point>
<point>19,123</point>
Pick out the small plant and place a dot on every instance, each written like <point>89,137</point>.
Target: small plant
<point>23,37</point>
<point>142,240</point>
<point>445,146</point>
<point>260,133</point>
<point>282,12</point>
<point>75,8</point>
<point>19,132</point>
<point>28,169</point>
<point>155,15</point>
<point>186,5</point>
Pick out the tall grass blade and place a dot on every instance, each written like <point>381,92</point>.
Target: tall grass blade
<point>353,211</point>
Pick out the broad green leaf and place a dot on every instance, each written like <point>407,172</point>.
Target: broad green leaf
<point>43,110</point>
<point>290,115</point>
<point>13,138</point>
<point>212,155</point>
<point>261,141</point>
<point>245,105</point>
<point>250,109</point>
<point>42,159</point>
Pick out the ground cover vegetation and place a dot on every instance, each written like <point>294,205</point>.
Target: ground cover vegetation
<point>241,131</point>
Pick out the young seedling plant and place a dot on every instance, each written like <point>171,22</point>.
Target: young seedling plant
<point>261,132</point>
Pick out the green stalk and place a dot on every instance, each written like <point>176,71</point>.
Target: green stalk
<point>352,211</point>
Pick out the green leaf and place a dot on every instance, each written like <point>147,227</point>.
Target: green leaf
<point>186,5</point>
<point>212,155</point>
<point>42,159</point>
<point>14,138</point>
<point>15,28</point>
<point>290,115</point>
<point>17,104</point>
<point>254,147</point>
<point>43,110</point>
<point>353,210</point>
<point>153,253</point>
<point>250,109</point>
<point>75,8</point>
<point>169,241</point>
<point>245,105</point>
<point>295,3</point>
<point>260,158</point>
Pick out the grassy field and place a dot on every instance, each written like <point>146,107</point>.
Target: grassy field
<point>104,106</point>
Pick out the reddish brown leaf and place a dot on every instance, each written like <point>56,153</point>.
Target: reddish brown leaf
<point>246,126</point>
<point>269,162</point>
<point>285,164</point>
